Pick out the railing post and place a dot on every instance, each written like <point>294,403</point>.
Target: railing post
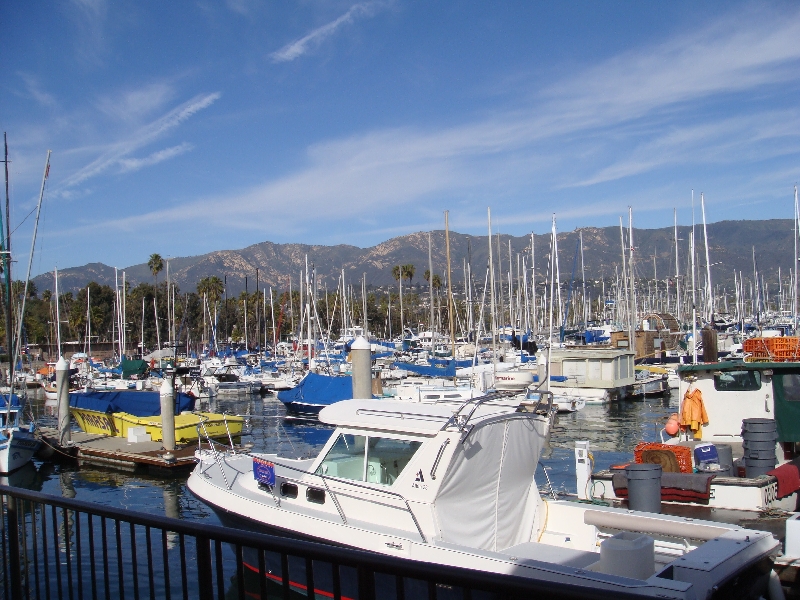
<point>204,582</point>
<point>13,548</point>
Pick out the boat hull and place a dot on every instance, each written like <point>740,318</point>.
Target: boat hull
<point>17,450</point>
<point>117,424</point>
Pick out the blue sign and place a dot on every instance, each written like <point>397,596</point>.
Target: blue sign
<point>264,471</point>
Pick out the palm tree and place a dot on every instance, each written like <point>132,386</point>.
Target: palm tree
<point>156,265</point>
<point>408,273</point>
<point>211,287</point>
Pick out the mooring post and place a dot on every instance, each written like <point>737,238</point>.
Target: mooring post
<point>168,411</point>
<point>362,369</point>
<point>62,392</point>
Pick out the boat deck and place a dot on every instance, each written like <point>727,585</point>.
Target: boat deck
<point>118,452</point>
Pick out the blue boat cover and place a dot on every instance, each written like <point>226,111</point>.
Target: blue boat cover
<point>134,402</point>
<point>4,401</point>
<point>444,362</point>
<point>317,389</point>
<point>448,371</point>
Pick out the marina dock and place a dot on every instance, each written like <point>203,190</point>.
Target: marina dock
<point>120,453</point>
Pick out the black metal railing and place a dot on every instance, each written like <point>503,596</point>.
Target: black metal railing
<point>62,548</point>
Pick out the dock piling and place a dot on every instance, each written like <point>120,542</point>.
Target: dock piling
<point>62,391</point>
<point>168,411</point>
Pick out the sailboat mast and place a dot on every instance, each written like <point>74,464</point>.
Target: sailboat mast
<point>794,267</point>
<point>450,303</point>
<point>6,259</point>
<point>430,287</point>
<point>694,300</point>
<point>710,291</point>
<point>677,268</point>
<point>491,296</point>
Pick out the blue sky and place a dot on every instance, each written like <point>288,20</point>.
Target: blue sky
<point>186,127</point>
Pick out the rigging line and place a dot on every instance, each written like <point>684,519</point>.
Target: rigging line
<point>21,223</point>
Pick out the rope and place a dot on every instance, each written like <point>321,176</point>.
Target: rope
<point>546,517</point>
<point>46,443</point>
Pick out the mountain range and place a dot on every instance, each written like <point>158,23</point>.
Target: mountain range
<point>731,245</point>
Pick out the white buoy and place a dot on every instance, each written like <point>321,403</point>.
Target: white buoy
<point>62,392</point>
<point>362,369</point>
<point>168,413</point>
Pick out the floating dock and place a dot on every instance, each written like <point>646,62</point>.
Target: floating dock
<point>118,452</point>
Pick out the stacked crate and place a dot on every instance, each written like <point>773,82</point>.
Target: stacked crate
<point>775,349</point>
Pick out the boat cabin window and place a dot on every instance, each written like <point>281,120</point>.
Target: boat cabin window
<point>386,458</point>
<point>373,459</point>
<point>345,459</point>
<point>737,381</point>
<point>791,386</point>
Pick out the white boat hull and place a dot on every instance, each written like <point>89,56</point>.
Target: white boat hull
<point>17,450</point>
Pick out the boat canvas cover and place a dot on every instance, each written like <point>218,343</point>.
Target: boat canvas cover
<point>133,367</point>
<point>786,391</point>
<point>431,371</point>
<point>133,402</point>
<point>483,501</point>
<point>318,389</point>
<point>4,401</point>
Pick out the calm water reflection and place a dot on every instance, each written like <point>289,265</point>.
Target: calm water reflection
<point>612,430</point>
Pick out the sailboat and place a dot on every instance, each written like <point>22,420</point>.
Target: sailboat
<point>17,441</point>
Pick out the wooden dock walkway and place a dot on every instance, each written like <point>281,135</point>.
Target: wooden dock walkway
<point>119,452</point>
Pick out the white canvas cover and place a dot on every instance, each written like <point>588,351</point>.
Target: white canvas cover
<point>483,501</point>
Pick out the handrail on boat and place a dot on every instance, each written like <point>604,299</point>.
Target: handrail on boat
<point>460,421</point>
<point>325,478</point>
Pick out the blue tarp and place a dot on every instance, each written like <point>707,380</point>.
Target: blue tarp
<point>448,371</point>
<point>4,401</point>
<point>444,362</point>
<point>136,403</point>
<point>320,390</point>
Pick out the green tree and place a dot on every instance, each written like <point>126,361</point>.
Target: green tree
<point>156,265</point>
<point>211,287</point>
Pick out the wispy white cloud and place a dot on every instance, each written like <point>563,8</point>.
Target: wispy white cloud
<point>89,17</point>
<point>134,164</point>
<point>641,106</point>
<point>136,103</point>
<point>118,151</point>
<point>33,88</point>
<point>299,47</point>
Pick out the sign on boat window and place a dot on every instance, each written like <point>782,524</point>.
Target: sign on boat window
<point>737,381</point>
<point>373,459</point>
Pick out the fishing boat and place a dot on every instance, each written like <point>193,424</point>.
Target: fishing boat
<point>732,392</point>
<point>456,487</point>
<point>114,413</point>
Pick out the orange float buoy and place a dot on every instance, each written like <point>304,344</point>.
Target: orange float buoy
<point>672,427</point>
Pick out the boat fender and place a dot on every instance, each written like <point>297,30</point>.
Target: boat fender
<point>672,427</point>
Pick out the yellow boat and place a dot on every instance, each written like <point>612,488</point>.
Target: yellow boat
<point>215,425</point>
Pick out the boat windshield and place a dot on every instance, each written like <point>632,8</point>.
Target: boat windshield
<point>371,459</point>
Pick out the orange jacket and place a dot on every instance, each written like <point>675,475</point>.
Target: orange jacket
<point>693,413</point>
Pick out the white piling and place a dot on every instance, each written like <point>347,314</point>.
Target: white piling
<point>583,469</point>
<point>362,369</point>
<point>168,412</point>
<point>62,392</point>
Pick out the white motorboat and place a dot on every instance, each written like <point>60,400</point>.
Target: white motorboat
<point>456,486</point>
<point>17,442</point>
